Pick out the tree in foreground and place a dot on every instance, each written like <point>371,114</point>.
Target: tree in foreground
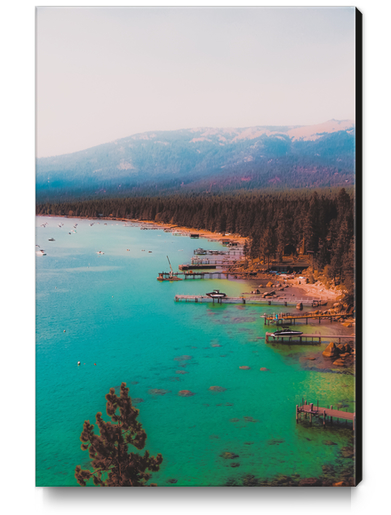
<point>113,464</point>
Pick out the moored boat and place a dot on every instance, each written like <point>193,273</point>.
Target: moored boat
<point>286,332</point>
<point>216,294</point>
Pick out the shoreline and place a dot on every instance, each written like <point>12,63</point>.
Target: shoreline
<point>203,233</point>
<point>296,288</point>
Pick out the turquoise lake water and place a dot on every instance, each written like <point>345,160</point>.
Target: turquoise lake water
<point>117,315</point>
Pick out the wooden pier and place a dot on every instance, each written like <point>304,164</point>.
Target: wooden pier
<point>256,299</point>
<point>290,318</point>
<point>306,339</point>
<point>309,410</point>
<point>219,274</point>
<point>238,251</point>
<point>196,260</point>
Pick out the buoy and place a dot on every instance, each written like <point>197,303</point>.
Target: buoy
<point>95,364</point>
<point>64,331</point>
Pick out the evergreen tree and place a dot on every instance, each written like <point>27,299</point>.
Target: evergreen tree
<point>112,464</point>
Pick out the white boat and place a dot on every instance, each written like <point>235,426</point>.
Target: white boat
<point>216,294</point>
<point>286,332</point>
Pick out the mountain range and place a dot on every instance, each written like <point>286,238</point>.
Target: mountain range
<point>204,160</point>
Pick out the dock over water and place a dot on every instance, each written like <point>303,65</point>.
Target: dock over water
<point>309,410</point>
<point>291,318</point>
<point>307,339</point>
<point>214,274</point>
<point>256,299</point>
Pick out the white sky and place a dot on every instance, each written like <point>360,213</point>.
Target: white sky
<point>107,73</point>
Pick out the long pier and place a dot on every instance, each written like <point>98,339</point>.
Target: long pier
<point>310,411</point>
<point>290,318</point>
<point>306,339</point>
<point>196,260</point>
<point>219,274</point>
<point>256,299</point>
<point>232,252</point>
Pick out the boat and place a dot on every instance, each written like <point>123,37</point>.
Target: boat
<point>286,332</point>
<point>216,294</point>
<point>51,239</point>
<point>100,252</point>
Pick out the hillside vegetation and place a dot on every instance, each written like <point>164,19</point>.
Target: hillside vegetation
<point>321,222</point>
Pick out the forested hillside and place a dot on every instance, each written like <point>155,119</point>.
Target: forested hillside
<point>323,220</point>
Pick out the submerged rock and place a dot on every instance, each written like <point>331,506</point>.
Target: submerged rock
<point>229,455</point>
<point>157,391</point>
<point>235,464</point>
<point>217,388</point>
<point>347,452</point>
<point>173,481</point>
<point>137,400</point>
<point>250,419</point>
<point>310,481</point>
<point>183,358</point>
<point>181,372</point>
<point>275,442</point>
<point>186,393</point>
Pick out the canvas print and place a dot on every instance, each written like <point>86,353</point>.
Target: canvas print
<point>198,247</point>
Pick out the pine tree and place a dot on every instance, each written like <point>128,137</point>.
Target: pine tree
<point>112,464</point>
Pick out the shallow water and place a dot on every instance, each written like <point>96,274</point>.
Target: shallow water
<point>116,314</point>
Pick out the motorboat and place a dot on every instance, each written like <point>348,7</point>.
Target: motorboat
<point>286,332</point>
<point>216,294</point>
<point>51,239</point>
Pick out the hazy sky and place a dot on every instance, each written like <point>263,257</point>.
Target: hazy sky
<point>108,73</point>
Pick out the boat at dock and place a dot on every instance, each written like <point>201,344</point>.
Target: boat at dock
<point>286,332</point>
<point>216,294</point>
